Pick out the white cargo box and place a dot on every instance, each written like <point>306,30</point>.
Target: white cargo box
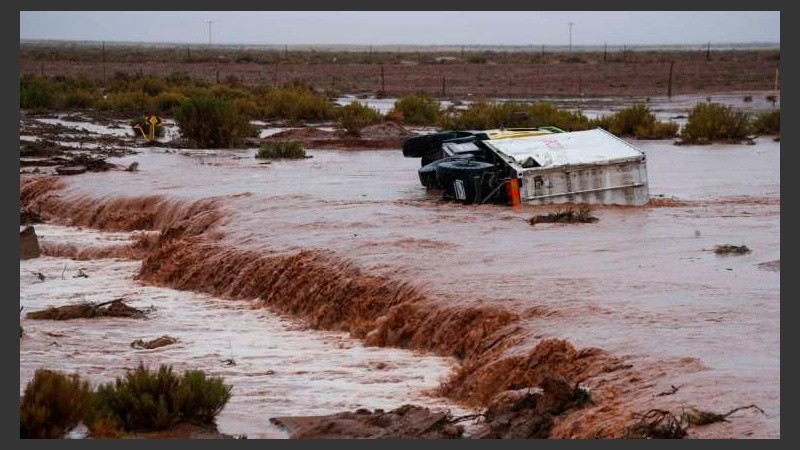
<point>592,166</point>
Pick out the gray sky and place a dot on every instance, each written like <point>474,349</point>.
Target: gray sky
<point>406,27</point>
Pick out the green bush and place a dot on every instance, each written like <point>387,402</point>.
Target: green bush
<point>165,102</point>
<point>483,115</point>
<point>79,99</point>
<point>638,121</point>
<point>711,122</point>
<point>143,400</point>
<point>296,103</point>
<point>281,150</point>
<point>36,93</point>
<point>212,123</point>
<point>53,403</point>
<point>150,85</point>
<point>130,102</point>
<point>657,130</point>
<point>768,122</point>
<point>418,109</point>
<point>355,116</point>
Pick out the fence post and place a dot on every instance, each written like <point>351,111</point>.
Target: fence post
<point>217,76</point>
<point>383,82</point>
<point>443,87</point>
<point>605,52</point>
<point>543,53</point>
<point>708,51</point>
<point>104,62</point>
<point>669,84</point>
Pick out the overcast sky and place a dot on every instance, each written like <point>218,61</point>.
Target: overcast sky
<point>406,27</point>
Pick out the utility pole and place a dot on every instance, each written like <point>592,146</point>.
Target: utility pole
<point>669,84</point>
<point>570,35</point>
<point>209,22</point>
<point>104,62</point>
<point>708,51</point>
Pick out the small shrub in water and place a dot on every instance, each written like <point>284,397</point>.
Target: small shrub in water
<point>212,122</point>
<point>355,116</point>
<point>282,150</point>
<point>768,122</point>
<point>713,122</point>
<point>53,403</point>
<point>417,109</point>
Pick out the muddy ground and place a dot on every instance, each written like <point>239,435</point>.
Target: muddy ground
<point>493,75</point>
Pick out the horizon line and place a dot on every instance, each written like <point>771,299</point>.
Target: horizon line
<point>311,45</point>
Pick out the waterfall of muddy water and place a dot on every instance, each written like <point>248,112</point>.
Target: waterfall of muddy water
<point>641,283</point>
<point>281,368</point>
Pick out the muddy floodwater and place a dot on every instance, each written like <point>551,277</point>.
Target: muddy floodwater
<point>643,283</point>
<point>280,368</point>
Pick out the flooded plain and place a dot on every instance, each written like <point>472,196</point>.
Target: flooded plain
<point>643,283</point>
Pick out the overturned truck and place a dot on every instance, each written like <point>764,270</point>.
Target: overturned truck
<point>531,165</point>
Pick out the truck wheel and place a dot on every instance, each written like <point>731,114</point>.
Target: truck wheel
<point>419,146</point>
<point>427,174</point>
<point>462,180</point>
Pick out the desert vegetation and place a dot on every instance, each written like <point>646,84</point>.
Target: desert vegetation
<point>281,150</point>
<point>142,400</point>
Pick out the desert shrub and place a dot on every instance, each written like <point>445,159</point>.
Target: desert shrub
<point>768,122</point>
<point>212,122</point>
<point>657,130</point>
<point>483,115</point>
<point>229,92</point>
<point>248,107</point>
<point>79,99</point>
<point>52,404</point>
<point>710,122</point>
<point>355,116</point>
<point>394,116</point>
<point>281,150</point>
<point>36,93</point>
<point>476,59</point>
<point>638,121</point>
<point>178,79</point>
<point>165,102</point>
<point>146,400</point>
<point>418,109</point>
<point>296,103</point>
<point>141,121</point>
<point>625,121</point>
<point>150,85</point>
<point>129,102</point>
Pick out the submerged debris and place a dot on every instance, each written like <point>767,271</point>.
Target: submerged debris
<point>656,424</point>
<point>672,390</point>
<point>583,215</point>
<point>162,341</point>
<point>405,422</point>
<point>530,415</point>
<point>697,417</point>
<point>114,308</point>
<point>728,249</point>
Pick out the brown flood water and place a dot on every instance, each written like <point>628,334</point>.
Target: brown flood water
<point>642,282</point>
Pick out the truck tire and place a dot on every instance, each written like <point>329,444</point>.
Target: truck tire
<point>419,146</point>
<point>462,180</point>
<point>427,174</point>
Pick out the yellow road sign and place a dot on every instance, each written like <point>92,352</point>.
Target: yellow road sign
<point>154,120</point>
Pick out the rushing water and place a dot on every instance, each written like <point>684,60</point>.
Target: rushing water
<point>642,282</point>
<point>281,368</point>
